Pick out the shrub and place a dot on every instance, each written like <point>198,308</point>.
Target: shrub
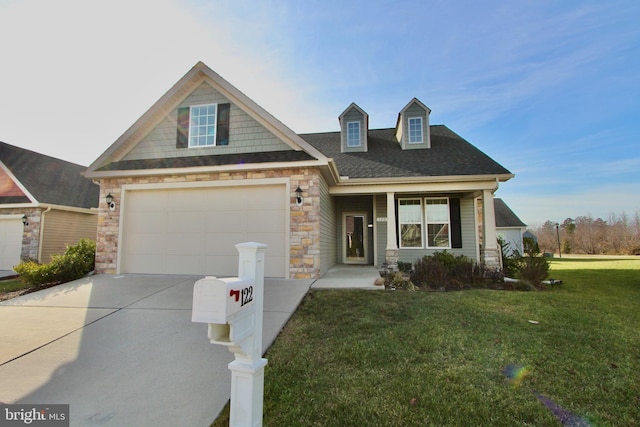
<point>445,270</point>
<point>532,267</point>
<point>76,261</point>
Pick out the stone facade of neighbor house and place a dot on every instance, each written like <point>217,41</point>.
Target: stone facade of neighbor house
<point>206,167</point>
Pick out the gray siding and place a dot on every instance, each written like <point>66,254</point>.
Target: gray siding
<point>354,115</point>
<point>328,229</point>
<point>415,111</point>
<point>245,134</point>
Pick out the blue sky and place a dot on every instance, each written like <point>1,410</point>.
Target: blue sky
<point>549,89</point>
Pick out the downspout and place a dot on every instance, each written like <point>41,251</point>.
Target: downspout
<point>41,234</point>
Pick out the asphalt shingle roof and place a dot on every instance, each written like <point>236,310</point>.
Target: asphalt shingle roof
<point>505,217</point>
<point>214,160</point>
<point>449,155</point>
<point>48,179</point>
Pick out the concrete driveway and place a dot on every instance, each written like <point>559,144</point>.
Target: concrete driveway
<point>122,350</point>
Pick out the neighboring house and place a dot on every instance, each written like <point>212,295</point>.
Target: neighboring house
<point>206,167</point>
<point>45,205</point>
<point>509,227</point>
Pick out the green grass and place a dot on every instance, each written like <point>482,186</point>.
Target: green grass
<point>12,285</point>
<point>384,358</point>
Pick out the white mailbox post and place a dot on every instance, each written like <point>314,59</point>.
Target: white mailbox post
<point>233,308</point>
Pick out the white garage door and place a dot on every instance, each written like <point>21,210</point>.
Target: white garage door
<point>195,230</point>
<point>10,241</point>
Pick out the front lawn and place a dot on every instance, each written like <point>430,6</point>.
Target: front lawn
<point>477,357</point>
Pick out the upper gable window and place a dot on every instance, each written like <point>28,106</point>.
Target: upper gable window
<point>353,134</point>
<point>415,130</point>
<point>203,126</point>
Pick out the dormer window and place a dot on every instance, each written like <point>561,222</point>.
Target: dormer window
<point>354,125</point>
<point>353,134</point>
<point>415,130</point>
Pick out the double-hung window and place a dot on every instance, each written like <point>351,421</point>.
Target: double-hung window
<point>430,215</point>
<point>202,125</point>
<point>410,222</point>
<point>353,134</point>
<point>415,130</point>
<point>437,218</point>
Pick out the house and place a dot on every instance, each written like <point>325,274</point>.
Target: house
<point>206,167</point>
<point>45,205</point>
<point>508,226</point>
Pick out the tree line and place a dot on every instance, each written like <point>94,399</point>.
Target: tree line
<point>618,235</point>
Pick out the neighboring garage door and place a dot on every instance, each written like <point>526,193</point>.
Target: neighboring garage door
<point>195,230</point>
<point>11,229</point>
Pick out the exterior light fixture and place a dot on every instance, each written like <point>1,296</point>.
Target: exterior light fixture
<point>298,196</point>
<point>25,220</point>
<point>110,202</point>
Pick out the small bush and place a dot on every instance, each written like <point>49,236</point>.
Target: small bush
<point>445,270</point>
<point>532,267</point>
<point>77,261</point>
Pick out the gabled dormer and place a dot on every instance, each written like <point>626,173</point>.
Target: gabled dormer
<point>412,127</point>
<point>354,126</point>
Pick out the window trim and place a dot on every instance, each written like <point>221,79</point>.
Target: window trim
<point>421,223</point>
<point>421,127</point>
<point>359,144</point>
<point>215,126</point>
<point>424,223</point>
<point>448,223</point>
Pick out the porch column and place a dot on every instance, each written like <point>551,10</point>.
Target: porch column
<point>391,251</point>
<point>491,252</point>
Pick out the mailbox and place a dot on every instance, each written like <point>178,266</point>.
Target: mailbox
<point>227,306</point>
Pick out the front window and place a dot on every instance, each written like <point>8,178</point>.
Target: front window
<point>410,223</point>
<point>353,134</point>
<point>415,130</point>
<point>428,214</point>
<point>202,125</point>
<point>437,214</point>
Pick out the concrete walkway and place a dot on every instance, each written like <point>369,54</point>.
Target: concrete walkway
<point>122,350</point>
<point>343,276</point>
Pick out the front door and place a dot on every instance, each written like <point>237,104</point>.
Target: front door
<point>354,238</point>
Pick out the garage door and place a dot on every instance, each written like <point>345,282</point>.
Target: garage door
<point>195,230</point>
<point>10,241</point>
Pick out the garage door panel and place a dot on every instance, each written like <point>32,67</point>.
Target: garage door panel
<point>188,244</point>
<point>195,230</point>
<point>146,222</point>
<point>148,201</point>
<point>146,243</point>
<point>184,222</point>
<point>259,220</point>
<point>10,242</point>
<point>225,220</point>
<point>269,197</point>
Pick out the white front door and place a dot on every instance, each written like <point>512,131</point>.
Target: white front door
<point>354,239</point>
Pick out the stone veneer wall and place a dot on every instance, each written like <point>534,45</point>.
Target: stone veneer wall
<point>31,234</point>
<point>304,236</point>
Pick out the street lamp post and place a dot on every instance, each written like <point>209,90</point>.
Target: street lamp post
<point>558,235</point>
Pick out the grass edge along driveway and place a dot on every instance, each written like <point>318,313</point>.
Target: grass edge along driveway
<point>355,358</point>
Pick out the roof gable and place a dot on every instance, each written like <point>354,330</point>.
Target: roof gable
<point>505,217</point>
<point>194,79</point>
<point>44,179</point>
